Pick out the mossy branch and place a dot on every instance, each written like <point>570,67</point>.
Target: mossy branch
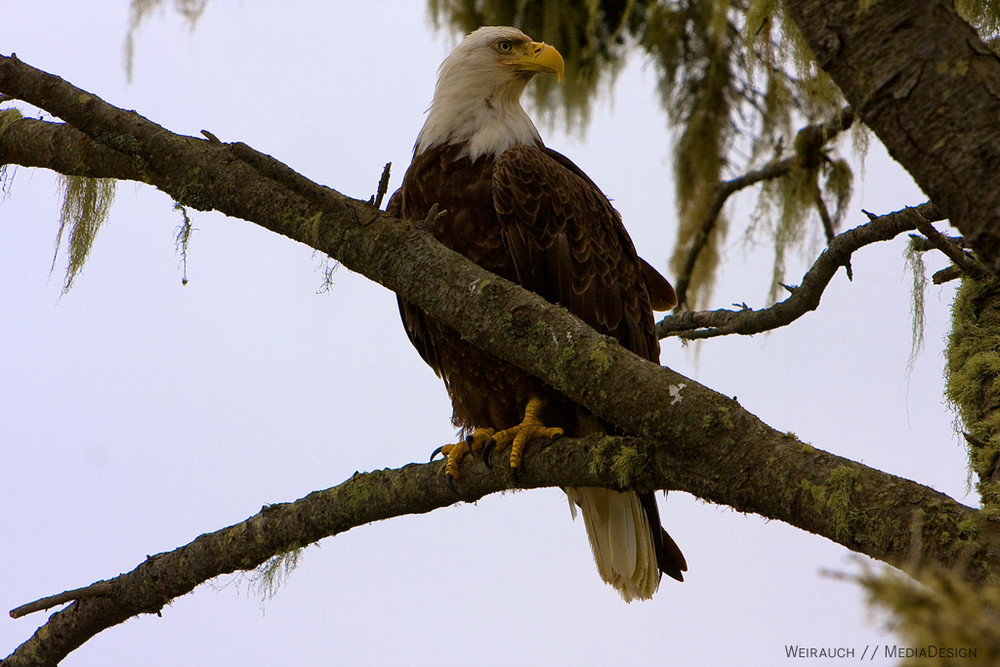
<point>841,493</point>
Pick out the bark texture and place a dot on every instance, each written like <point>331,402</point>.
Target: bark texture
<point>926,84</point>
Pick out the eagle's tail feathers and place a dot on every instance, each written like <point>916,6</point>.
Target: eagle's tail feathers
<point>621,538</point>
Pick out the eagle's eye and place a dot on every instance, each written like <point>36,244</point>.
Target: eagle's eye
<point>504,46</point>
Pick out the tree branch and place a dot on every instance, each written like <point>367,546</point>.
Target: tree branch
<point>809,143</point>
<point>823,490</point>
<point>691,437</point>
<point>805,297</point>
<point>963,260</point>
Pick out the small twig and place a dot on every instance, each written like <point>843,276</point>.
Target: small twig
<point>383,187</point>
<point>99,589</point>
<point>962,259</point>
<point>946,275</point>
<point>831,233</point>
<point>824,216</point>
<point>920,242</point>
<point>211,137</point>
<point>723,190</point>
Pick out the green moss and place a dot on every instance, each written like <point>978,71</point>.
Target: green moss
<point>726,418</point>
<point>313,226</point>
<point>627,464</point>
<point>834,499</point>
<point>957,68</point>
<point>600,360</point>
<point>123,143</point>
<point>840,488</point>
<point>815,493</point>
<point>196,196</point>
<point>972,378</point>
<point>8,117</point>
<point>719,418</point>
<point>601,457</point>
<point>968,528</point>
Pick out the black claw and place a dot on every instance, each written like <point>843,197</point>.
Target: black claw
<point>513,473</point>
<point>450,483</point>
<point>469,440</point>
<point>436,452</point>
<point>487,450</point>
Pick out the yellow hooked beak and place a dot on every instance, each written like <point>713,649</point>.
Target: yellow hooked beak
<point>537,57</point>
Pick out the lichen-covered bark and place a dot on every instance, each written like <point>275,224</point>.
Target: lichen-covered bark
<point>688,436</point>
<point>923,81</point>
<point>845,495</point>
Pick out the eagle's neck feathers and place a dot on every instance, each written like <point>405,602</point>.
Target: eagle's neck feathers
<point>477,104</point>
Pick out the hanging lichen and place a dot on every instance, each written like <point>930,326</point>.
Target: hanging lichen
<point>85,207</point>
<point>140,9</point>
<point>272,574</point>
<point>915,263</point>
<point>182,240</point>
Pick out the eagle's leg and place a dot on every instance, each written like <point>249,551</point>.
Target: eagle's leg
<point>458,451</point>
<point>530,428</point>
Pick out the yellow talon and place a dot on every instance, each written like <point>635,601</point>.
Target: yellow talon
<point>458,451</point>
<point>530,428</point>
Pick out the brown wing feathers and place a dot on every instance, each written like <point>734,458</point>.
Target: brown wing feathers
<point>568,245</point>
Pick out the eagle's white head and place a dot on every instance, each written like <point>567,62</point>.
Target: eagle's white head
<point>477,97</point>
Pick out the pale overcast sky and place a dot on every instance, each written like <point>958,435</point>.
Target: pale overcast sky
<point>137,413</point>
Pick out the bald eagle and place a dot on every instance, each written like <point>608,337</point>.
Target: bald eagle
<point>528,214</point>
